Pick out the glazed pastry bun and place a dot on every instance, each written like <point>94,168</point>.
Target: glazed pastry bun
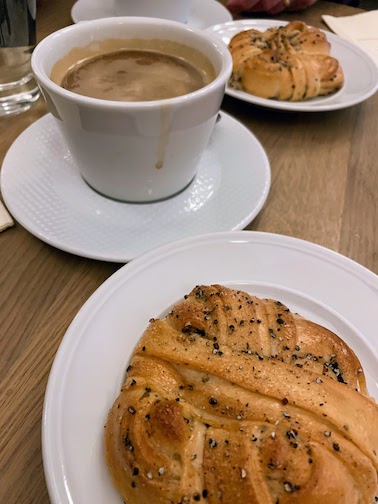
<point>235,399</point>
<point>291,63</point>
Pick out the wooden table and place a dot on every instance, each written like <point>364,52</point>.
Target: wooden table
<point>324,189</point>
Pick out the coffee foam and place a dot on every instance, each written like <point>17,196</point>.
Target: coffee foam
<point>96,48</point>
<point>134,75</point>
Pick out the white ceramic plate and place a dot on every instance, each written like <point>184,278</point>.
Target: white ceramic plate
<point>44,192</point>
<point>89,367</point>
<point>204,13</point>
<point>360,71</point>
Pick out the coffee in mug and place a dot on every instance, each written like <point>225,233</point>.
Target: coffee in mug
<point>134,74</point>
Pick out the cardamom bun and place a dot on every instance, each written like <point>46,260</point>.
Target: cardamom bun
<point>235,399</point>
<point>290,63</point>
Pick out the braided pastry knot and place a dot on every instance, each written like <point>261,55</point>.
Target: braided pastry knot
<point>235,399</point>
<point>291,62</point>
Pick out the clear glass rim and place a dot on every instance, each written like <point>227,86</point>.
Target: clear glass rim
<point>21,82</point>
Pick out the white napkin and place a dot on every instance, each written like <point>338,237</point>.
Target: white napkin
<point>361,29</point>
<point>6,220</point>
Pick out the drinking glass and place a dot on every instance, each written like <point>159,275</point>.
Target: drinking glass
<point>18,89</point>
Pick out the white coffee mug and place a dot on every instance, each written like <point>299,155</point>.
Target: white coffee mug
<point>175,10</point>
<point>134,151</point>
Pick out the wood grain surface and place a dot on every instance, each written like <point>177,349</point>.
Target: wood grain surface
<point>324,189</point>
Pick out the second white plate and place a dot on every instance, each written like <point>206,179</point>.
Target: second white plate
<point>204,13</point>
<point>360,71</point>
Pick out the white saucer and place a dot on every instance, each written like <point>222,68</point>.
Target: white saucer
<point>360,71</point>
<point>204,13</point>
<point>43,190</point>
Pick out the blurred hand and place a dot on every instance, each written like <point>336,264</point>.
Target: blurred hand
<point>269,6</point>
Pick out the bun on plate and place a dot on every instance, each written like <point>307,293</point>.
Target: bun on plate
<point>235,399</point>
<point>291,63</point>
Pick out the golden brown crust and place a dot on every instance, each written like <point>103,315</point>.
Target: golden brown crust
<point>291,63</point>
<point>232,398</point>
